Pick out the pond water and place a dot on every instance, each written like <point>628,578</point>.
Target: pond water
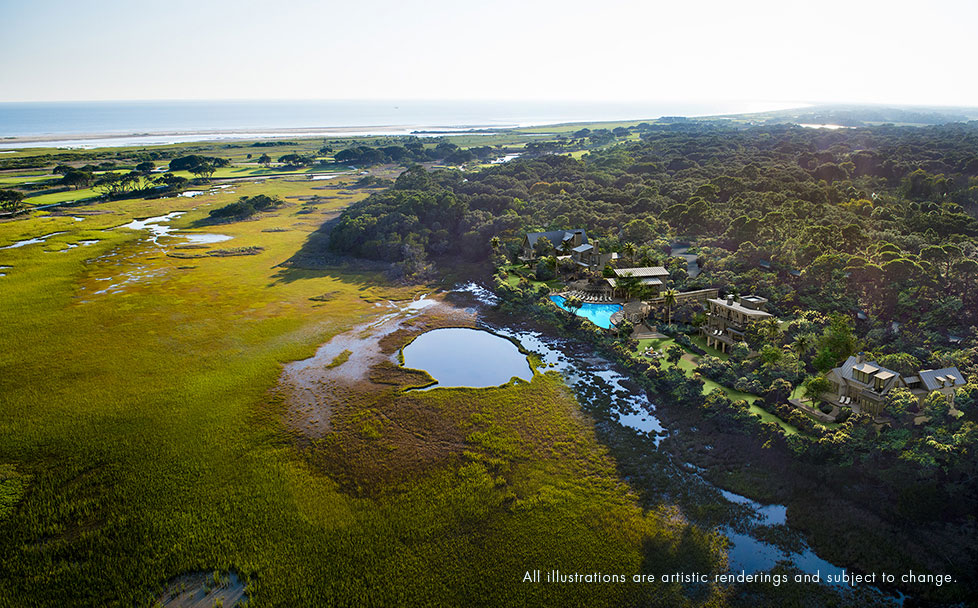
<point>203,239</point>
<point>459,356</point>
<point>599,314</point>
<point>33,241</point>
<point>507,158</point>
<point>157,227</point>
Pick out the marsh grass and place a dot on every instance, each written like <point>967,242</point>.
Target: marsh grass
<point>143,422</point>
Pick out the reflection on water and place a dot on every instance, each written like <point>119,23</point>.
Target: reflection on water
<point>459,356</point>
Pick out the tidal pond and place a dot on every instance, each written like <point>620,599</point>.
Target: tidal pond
<point>463,357</point>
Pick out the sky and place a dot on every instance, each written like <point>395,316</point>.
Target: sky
<point>894,51</point>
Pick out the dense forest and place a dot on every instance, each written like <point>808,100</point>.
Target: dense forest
<point>878,223</point>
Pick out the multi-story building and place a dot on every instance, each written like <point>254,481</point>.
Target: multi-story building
<point>727,319</point>
<point>563,241</point>
<point>863,385</point>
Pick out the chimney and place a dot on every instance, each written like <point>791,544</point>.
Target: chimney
<point>730,299</point>
<point>860,357</point>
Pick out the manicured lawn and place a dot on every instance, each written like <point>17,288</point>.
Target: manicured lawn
<point>700,341</point>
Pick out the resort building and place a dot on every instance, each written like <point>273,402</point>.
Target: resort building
<point>653,277</point>
<point>863,385</point>
<point>589,256</point>
<point>563,241</point>
<point>727,319</point>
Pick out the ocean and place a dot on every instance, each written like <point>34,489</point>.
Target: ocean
<point>158,122</point>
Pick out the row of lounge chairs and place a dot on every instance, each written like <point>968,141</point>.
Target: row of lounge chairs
<point>717,332</point>
<point>589,296</point>
<point>844,400</point>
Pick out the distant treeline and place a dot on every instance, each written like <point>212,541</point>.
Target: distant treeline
<point>414,152</point>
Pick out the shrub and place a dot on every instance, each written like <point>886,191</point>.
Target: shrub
<point>246,207</point>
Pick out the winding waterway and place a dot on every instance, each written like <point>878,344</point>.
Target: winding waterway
<point>630,407</point>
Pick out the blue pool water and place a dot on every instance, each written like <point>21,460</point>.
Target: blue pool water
<point>599,314</point>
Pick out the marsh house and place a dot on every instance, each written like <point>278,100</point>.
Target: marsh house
<point>863,385</point>
<point>563,241</point>
<point>727,319</point>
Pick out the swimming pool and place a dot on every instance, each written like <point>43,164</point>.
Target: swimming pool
<point>599,314</point>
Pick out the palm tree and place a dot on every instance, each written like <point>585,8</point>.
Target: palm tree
<point>669,299</point>
<point>629,250</point>
<point>628,284</point>
<point>802,344</point>
<point>771,330</point>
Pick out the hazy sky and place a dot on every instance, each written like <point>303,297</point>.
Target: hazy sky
<point>892,51</point>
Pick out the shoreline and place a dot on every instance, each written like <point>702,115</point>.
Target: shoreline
<point>113,139</point>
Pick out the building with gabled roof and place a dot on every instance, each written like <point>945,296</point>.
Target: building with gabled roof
<point>863,385</point>
<point>654,277</point>
<point>564,241</point>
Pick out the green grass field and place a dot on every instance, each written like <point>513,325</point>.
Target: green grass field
<point>140,438</point>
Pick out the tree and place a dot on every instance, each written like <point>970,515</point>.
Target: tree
<point>903,363</point>
<point>108,184</point>
<point>573,304</point>
<point>669,300</point>
<point>674,353</point>
<point>739,351</point>
<point>966,270</point>
<point>778,392</point>
<point>187,163</point>
<point>815,386</point>
<point>545,268</point>
<point>802,344</point>
<point>901,404</point>
<point>837,341</point>
<point>295,160</point>
<point>11,200</point>
<point>265,160</point>
<point>629,284</point>
<point>772,330</point>
<point>145,166</point>
<point>203,170</point>
<point>638,231</point>
<point>172,182</point>
<point>936,406</point>
<point>542,247</point>
<point>629,251</point>
<point>77,179</point>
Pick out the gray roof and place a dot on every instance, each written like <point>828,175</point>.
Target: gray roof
<point>643,271</point>
<point>932,378</point>
<point>555,236</point>
<point>583,248</point>
<point>887,377</point>
<point>750,312</point>
<point>642,281</point>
